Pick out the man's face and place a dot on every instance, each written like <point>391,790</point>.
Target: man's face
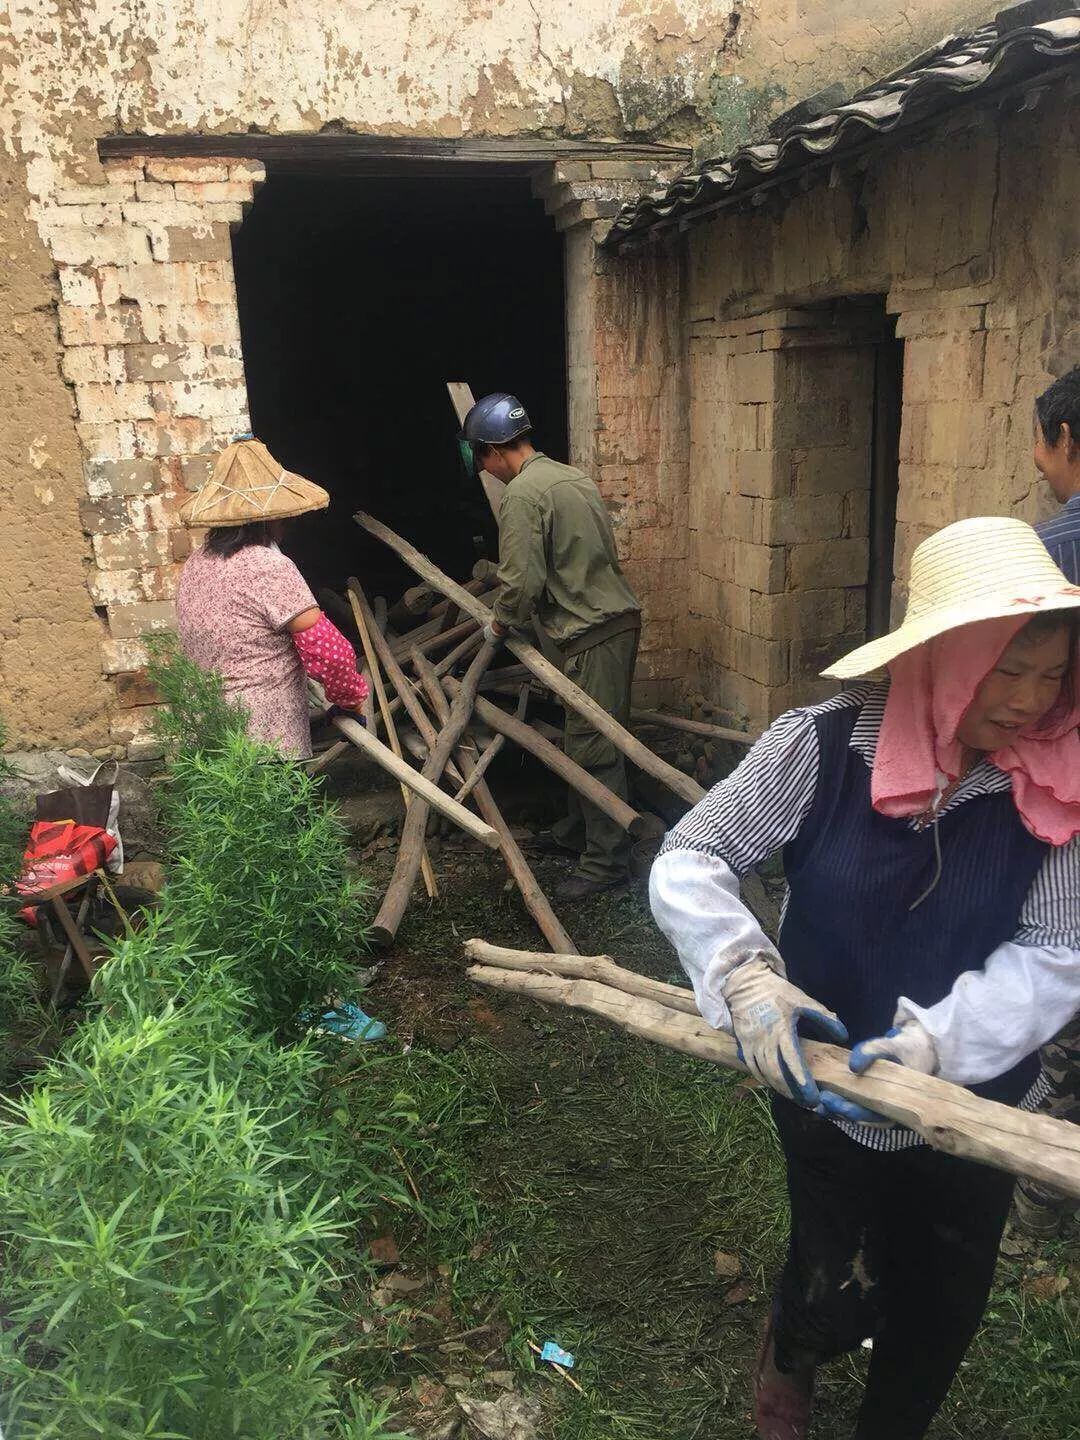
<point>495,462</point>
<point>1059,463</point>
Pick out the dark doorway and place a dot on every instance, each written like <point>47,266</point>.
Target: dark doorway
<point>359,299</point>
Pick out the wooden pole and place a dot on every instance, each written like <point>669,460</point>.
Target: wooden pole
<point>691,727</point>
<point>411,849</point>
<point>362,615</point>
<point>523,734</point>
<point>400,769</point>
<point>492,751</point>
<point>948,1117</point>
<point>536,902</point>
<point>543,669</point>
<point>406,695</point>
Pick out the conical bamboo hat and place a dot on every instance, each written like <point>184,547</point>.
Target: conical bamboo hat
<point>249,485</point>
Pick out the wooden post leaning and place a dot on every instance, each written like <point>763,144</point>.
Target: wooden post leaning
<point>948,1117</point>
<point>411,849</point>
<point>365,623</point>
<point>553,678</point>
<point>536,902</point>
<point>522,733</point>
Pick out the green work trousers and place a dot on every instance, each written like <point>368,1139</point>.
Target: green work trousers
<point>604,672</point>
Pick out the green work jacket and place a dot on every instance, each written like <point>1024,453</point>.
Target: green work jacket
<point>557,553</point>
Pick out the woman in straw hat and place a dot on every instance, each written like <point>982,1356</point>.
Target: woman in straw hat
<point>928,825</point>
<point>243,608</point>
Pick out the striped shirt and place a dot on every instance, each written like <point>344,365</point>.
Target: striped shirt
<point>1061,536</point>
<point>761,806</point>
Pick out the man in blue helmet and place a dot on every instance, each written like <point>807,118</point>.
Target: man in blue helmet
<point>558,565</point>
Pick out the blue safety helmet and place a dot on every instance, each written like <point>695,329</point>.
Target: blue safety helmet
<point>495,420</point>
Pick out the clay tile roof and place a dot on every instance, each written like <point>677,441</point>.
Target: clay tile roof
<point>1024,42</point>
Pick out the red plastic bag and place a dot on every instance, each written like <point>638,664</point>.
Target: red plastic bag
<point>61,850</point>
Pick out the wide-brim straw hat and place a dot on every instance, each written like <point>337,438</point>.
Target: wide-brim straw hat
<point>972,570</point>
<point>249,485</point>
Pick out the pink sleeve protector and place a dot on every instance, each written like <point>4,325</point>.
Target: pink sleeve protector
<point>328,657</point>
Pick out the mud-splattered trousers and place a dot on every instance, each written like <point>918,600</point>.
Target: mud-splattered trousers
<point>1061,1065</point>
<point>895,1246</point>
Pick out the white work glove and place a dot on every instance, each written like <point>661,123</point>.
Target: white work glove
<point>909,1044</point>
<point>493,636</point>
<point>766,1011</point>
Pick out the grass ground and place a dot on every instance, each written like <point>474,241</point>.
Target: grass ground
<point>577,1185</point>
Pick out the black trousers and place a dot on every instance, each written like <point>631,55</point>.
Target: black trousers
<point>899,1247</point>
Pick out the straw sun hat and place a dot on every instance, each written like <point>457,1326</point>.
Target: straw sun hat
<point>973,570</point>
<point>249,485</point>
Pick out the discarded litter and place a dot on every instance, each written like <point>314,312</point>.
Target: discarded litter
<point>555,1355</point>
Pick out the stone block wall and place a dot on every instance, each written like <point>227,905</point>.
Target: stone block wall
<point>780,425</point>
<point>151,351</point>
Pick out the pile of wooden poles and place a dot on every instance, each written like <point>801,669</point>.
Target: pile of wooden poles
<point>434,697</point>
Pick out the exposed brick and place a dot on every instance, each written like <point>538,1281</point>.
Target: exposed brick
<point>115,587</point>
<point>154,192</point>
<point>913,323</point>
<point>98,325</point>
<point>180,243</point>
<point>180,546</point>
<point>108,442</point>
<point>120,655</point>
<point>251,171</point>
<point>123,170</point>
<point>810,517</point>
<point>173,437</point>
<point>945,367</point>
<point>85,363</point>
<point>763,472</point>
<point>131,550</point>
<point>831,469</point>
<point>118,190</point>
<point>758,567</point>
<point>210,400</point>
<point>109,516</point>
<point>754,378</point>
<point>78,287</point>
<point>213,192</point>
<point>113,402</point>
<point>192,170</point>
<point>857,513</point>
<point>160,582</point>
<point>156,362</point>
<point>156,284</point>
<point>110,478</point>
<point>823,564</point>
<point>808,612</point>
<point>197,324</point>
<point>111,245</point>
<point>195,470</point>
<point>216,283</point>
<point>136,688</point>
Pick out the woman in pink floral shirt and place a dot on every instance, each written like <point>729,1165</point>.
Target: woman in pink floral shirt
<point>245,611</point>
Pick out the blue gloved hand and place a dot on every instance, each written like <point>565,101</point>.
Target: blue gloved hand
<point>909,1044</point>
<point>766,1011</point>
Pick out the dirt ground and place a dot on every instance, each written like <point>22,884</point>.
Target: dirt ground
<point>581,1186</point>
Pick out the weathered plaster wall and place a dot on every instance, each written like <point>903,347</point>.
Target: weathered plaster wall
<point>72,72</point>
<point>50,638</point>
<point>972,236</point>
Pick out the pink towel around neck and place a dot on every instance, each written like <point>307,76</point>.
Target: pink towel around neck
<point>931,690</point>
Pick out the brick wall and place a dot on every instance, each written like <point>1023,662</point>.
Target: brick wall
<point>151,340</point>
<point>966,240</point>
<point>626,373</point>
<point>780,432</point>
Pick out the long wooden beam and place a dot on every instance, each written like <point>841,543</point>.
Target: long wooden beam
<point>522,733</point>
<point>692,727</point>
<point>411,850</point>
<point>543,669</point>
<point>402,771</point>
<point>536,902</point>
<point>948,1117</point>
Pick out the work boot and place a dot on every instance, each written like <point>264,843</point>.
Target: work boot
<point>580,887</point>
<point>781,1402</point>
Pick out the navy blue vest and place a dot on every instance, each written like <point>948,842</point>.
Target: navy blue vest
<point>849,938</point>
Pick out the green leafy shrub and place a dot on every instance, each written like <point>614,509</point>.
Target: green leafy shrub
<point>18,979</point>
<point>196,715</point>
<point>177,1202</point>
